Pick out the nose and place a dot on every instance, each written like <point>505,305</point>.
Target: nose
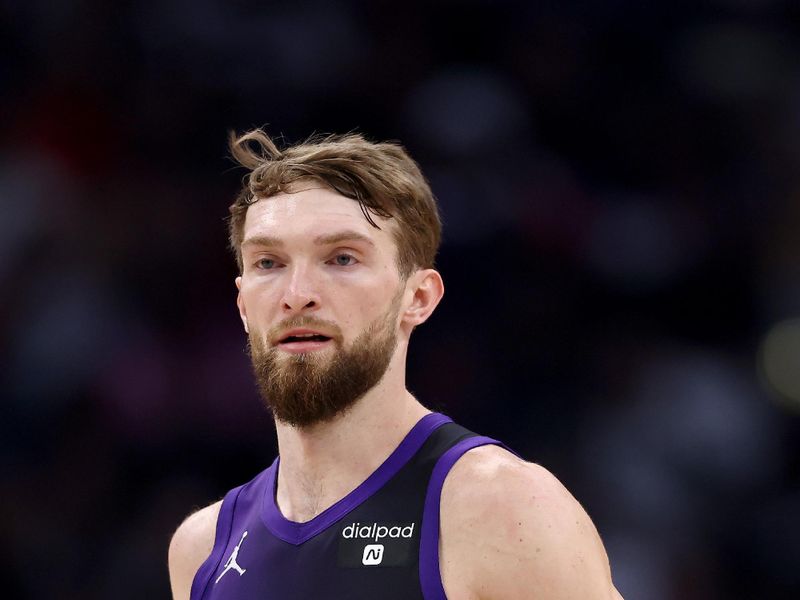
<point>300,295</point>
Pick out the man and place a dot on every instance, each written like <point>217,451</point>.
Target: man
<point>372,496</point>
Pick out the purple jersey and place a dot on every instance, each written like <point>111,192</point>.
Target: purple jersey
<point>379,541</point>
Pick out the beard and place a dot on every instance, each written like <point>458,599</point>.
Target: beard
<point>310,388</point>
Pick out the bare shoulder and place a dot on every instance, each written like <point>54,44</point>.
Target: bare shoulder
<point>510,529</point>
<point>190,546</point>
<point>490,478</point>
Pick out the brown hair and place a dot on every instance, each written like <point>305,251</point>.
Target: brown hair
<point>381,177</point>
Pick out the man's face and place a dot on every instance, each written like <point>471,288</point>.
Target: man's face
<point>320,295</point>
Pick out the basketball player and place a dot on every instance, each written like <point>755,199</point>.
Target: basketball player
<point>372,496</point>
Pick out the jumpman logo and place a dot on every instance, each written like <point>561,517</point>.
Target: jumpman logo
<point>232,564</point>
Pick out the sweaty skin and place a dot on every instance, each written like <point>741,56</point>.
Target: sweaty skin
<point>509,529</point>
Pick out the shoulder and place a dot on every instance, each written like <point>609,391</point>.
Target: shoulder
<point>190,546</point>
<point>510,529</point>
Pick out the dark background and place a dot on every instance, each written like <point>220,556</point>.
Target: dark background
<point>620,189</point>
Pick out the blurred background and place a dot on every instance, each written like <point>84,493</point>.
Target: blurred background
<point>620,186</point>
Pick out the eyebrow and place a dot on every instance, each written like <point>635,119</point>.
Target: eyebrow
<point>263,240</point>
<point>320,240</point>
<point>342,236</point>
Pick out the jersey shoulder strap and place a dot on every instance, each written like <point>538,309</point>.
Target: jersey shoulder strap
<point>237,502</point>
<point>429,573</point>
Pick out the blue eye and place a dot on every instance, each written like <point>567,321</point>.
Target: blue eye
<point>344,260</point>
<point>265,263</point>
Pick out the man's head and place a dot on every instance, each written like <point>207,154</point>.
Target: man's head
<point>335,241</point>
<point>381,177</point>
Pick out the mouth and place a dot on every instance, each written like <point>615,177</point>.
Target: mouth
<point>303,341</point>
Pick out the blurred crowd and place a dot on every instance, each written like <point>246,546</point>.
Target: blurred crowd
<point>620,188</point>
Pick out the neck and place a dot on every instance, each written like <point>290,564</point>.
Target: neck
<point>322,464</point>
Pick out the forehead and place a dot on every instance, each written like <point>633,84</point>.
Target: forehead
<point>311,211</point>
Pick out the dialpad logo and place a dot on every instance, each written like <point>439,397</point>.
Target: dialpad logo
<point>373,554</point>
<point>373,544</point>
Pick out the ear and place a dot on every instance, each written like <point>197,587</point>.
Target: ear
<point>240,304</point>
<point>426,289</point>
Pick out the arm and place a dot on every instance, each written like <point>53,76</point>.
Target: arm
<point>510,530</point>
<point>190,546</point>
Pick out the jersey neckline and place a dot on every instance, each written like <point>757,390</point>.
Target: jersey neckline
<point>297,533</point>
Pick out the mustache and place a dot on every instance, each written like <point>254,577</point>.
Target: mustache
<point>330,328</point>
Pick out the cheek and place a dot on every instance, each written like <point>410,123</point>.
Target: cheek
<point>354,311</point>
<point>367,308</point>
<point>258,302</point>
